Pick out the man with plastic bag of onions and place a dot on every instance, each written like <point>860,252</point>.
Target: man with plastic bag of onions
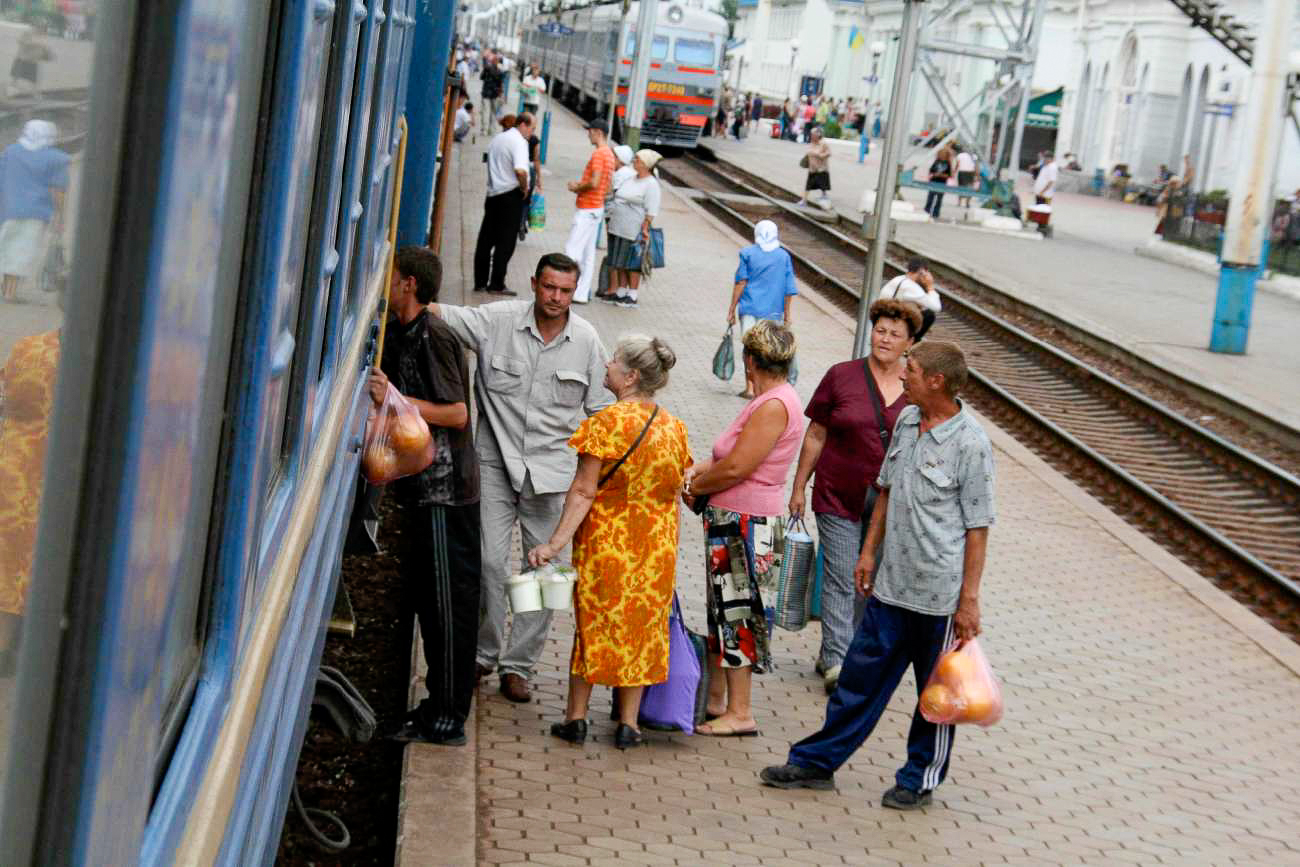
<point>440,540</point>
<point>931,523</point>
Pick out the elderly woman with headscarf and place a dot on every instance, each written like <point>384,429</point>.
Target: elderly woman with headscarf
<point>764,285</point>
<point>623,155</point>
<point>33,179</point>
<point>634,207</point>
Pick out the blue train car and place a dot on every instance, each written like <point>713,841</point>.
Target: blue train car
<point>195,215</point>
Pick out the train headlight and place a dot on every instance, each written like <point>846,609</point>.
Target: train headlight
<point>675,15</point>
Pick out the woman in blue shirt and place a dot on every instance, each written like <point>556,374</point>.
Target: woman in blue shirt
<point>764,285</point>
<point>33,178</point>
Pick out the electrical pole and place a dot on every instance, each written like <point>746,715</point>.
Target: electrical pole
<point>618,67</point>
<point>1250,210</point>
<point>647,15</point>
<point>1031,52</point>
<point>895,133</point>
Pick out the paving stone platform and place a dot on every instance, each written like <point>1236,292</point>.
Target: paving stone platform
<point>1149,718</point>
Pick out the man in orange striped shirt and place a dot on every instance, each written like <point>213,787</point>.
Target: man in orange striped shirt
<point>591,190</point>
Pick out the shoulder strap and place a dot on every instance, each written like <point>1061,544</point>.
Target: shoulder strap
<point>878,405</point>
<point>605,477</point>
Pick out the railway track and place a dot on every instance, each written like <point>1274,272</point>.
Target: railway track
<point>1232,516</point>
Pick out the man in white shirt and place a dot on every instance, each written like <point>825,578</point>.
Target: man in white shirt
<point>464,121</point>
<point>916,286</point>
<point>532,86</point>
<point>507,162</point>
<point>1045,183</point>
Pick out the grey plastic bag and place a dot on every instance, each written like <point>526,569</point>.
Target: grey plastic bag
<point>724,360</point>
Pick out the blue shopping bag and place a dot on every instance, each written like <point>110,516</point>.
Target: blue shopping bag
<point>537,212</point>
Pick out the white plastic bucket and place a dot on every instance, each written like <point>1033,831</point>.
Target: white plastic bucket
<point>525,593</point>
<point>557,590</point>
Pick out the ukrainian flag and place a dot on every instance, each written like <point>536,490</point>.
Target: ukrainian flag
<point>856,38</point>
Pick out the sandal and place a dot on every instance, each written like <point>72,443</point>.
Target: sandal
<point>716,731</point>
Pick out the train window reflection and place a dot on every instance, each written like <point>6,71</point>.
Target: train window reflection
<point>658,48</point>
<point>43,109</point>
<point>693,52</point>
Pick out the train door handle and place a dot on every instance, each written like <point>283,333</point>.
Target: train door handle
<point>282,356</point>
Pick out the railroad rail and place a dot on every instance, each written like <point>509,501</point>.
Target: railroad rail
<point>1232,516</point>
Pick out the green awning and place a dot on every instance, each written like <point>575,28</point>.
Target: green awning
<point>1045,109</point>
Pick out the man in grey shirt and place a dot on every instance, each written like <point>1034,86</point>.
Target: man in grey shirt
<point>540,369</point>
<point>933,516</point>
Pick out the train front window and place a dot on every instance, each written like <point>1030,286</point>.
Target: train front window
<point>658,48</point>
<point>693,52</point>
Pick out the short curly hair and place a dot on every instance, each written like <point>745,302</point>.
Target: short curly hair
<point>770,344</point>
<point>904,311</point>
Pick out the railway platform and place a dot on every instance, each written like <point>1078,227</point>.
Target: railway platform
<point>1088,275</point>
<point>1148,715</point>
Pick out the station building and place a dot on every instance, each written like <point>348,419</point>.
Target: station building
<point>1128,84</point>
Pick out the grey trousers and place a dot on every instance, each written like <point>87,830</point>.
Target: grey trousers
<point>842,608</point>
<point>500,506</point>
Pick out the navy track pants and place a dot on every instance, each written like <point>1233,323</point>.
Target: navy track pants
<point>887,641</point>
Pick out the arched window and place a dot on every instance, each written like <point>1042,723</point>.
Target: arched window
<point>1198,116</point>
<point>1176,149</point>
<point>1081,111</point>
<point>1126,97</point>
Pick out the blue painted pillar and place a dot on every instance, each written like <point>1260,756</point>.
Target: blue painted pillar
<point>430,52</point>
<point>1232,308</point>
<point>1233,305</point>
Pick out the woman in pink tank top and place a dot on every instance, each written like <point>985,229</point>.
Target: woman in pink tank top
<point>744,526</point>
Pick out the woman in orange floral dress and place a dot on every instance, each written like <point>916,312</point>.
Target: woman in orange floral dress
<point>622,521</point>
<point>26,398</point>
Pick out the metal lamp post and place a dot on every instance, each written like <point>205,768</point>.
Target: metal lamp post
<point>877,49</point>
<point>894,134</point>
<point>794,55</point>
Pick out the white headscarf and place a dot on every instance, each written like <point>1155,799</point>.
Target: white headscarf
<point>765,236</point>
<point>38,134</point>
<point>624,154</point>
<point>649,157</point>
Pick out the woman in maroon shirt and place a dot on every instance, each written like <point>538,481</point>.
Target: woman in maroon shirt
<point>847,437</point>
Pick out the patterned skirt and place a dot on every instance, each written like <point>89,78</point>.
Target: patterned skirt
<point>742,557</point>
<point>624,253</point>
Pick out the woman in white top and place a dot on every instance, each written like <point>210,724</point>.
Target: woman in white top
<point>917,286</point>
<point>634,207</point>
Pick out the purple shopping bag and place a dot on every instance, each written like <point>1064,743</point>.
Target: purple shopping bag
<point>671,705</point>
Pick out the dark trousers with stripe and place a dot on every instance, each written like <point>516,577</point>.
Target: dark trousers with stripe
<point>441,566</point>
<point>887,641</point>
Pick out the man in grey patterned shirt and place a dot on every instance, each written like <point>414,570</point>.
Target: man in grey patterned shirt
<point>933,517</point>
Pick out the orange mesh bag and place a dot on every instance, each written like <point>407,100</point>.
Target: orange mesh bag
<point>962,688</point>
<point>398,442</point>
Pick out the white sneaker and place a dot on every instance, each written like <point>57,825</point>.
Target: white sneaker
<point>831,679</point>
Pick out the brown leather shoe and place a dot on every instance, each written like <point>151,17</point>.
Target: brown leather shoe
<point>515,688</point>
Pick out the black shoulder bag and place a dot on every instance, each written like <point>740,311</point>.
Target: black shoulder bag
<point>878,404</point>
<point>605,477</point>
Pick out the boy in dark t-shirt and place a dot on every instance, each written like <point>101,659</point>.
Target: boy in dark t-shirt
<point>440,540</point>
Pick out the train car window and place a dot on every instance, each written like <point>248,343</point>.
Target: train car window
<point>658,48</point>
<point>380,180</point>
<point>301,103</point>
<point>361,122</point>
<point>693,52</point>
<point>328,275</point>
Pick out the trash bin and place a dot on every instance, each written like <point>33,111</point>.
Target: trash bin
<point>1041,216</point>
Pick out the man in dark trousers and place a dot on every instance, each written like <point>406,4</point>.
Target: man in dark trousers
<point>492,79</point>
<point>439,544</point>
<point>507,165</point>
<point>931,522</point>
